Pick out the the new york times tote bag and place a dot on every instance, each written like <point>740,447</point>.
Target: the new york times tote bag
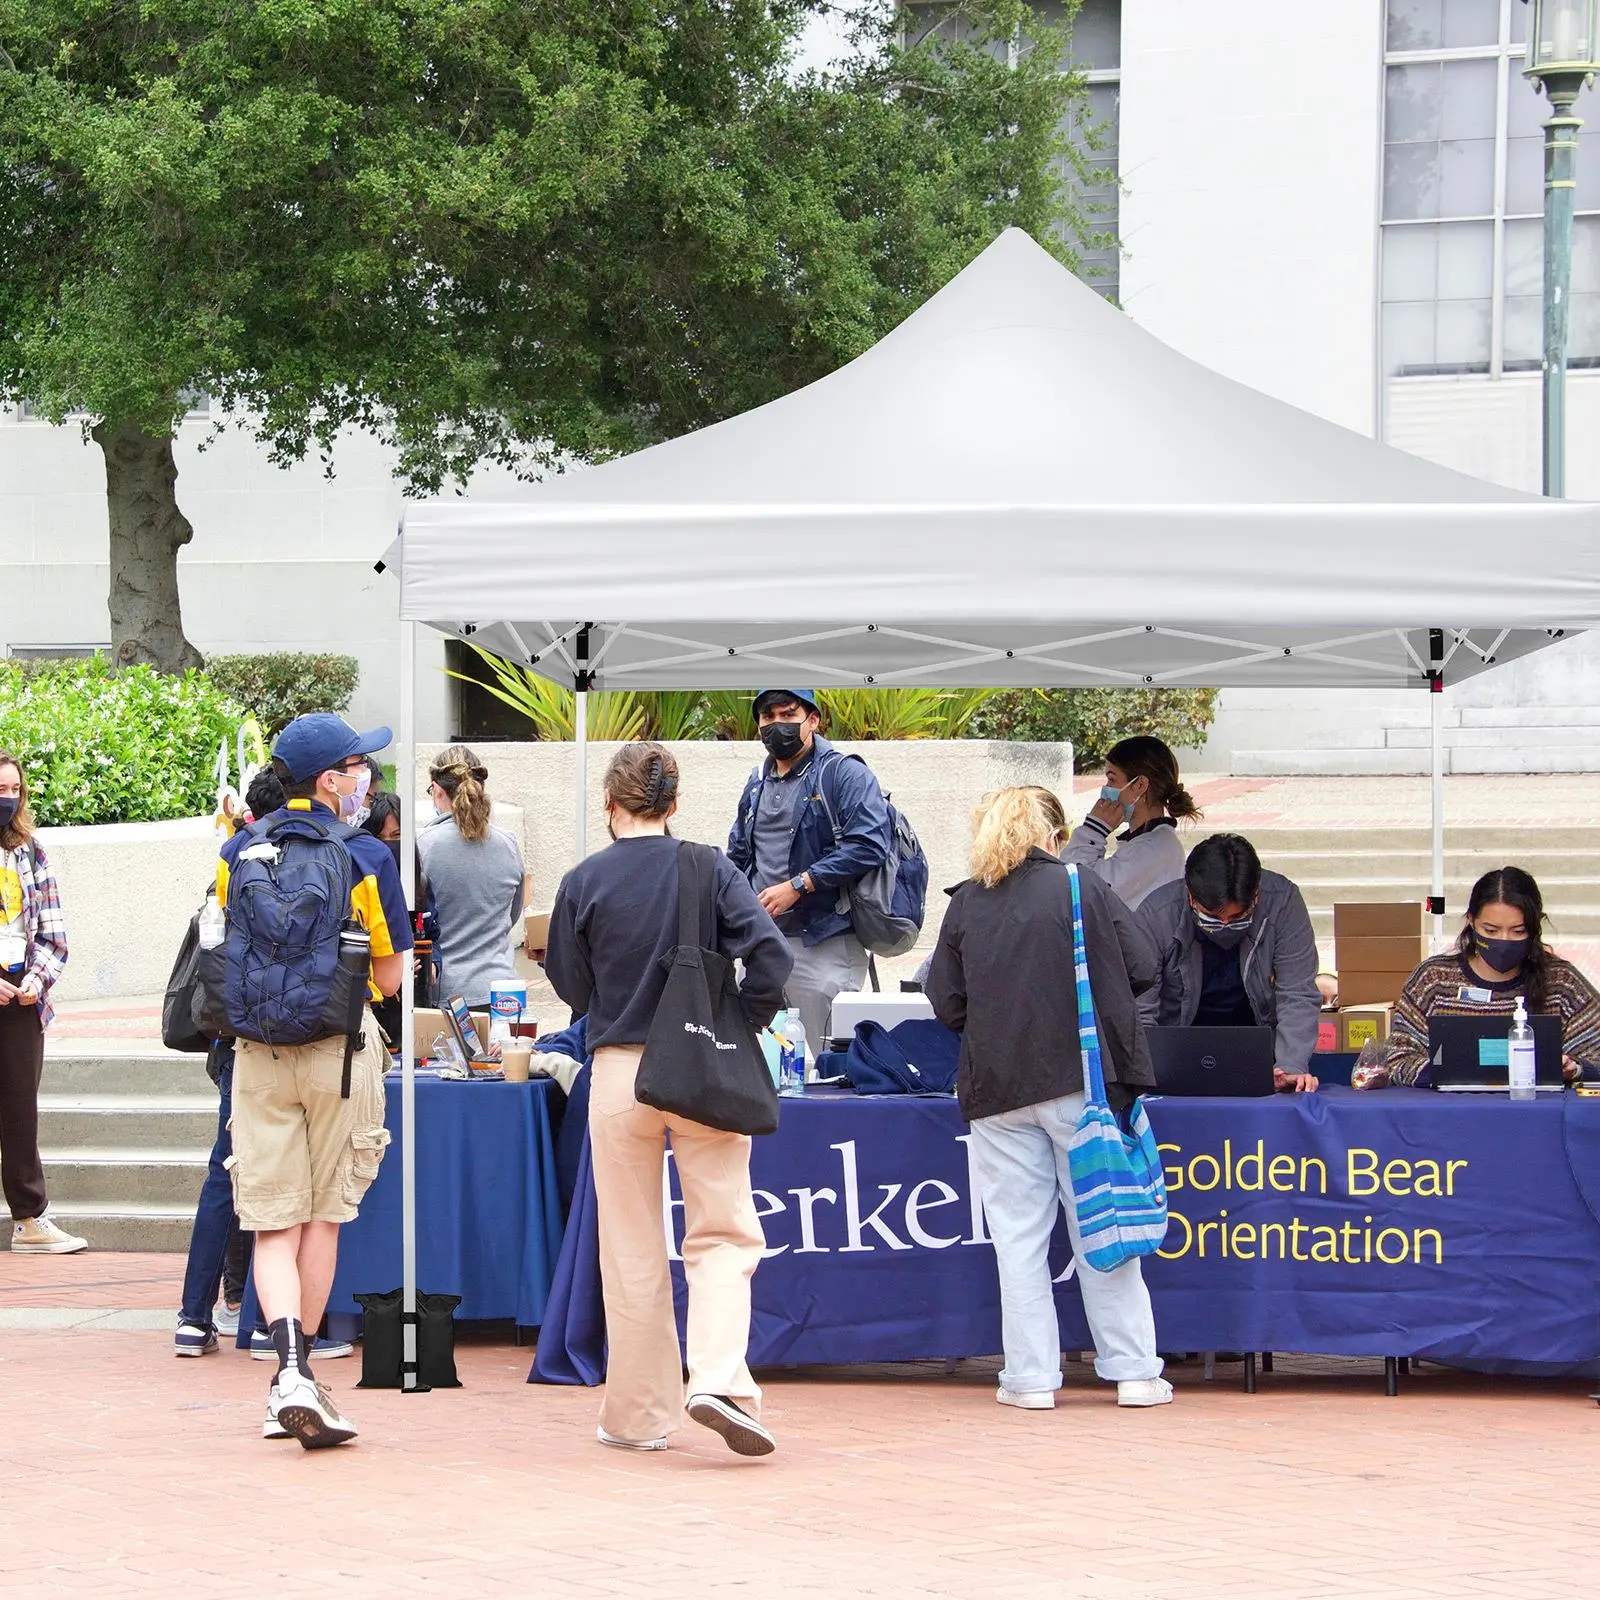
<point>701,1059</point>
<point>1118,1189</point>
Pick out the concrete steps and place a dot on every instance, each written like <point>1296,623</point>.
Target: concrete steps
<point>126,1137</point>
<point>1356,863</point>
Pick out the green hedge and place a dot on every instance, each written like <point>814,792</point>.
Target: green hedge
<point>1094,719</point>
<point>277,687</point>
<point>104,746</point>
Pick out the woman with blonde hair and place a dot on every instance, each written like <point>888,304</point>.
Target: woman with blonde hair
<point>1003,977</point>
<point>33,950</point>
<point>612,933</point>
<point>473,872</point>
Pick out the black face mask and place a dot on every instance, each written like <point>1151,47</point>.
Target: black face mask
<point>784,740</point>
<point>1503,955</point>
<point>9,806</point>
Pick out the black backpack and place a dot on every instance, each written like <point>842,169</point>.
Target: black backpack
<point>180,1010</point>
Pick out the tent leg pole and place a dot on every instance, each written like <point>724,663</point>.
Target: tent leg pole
<point>1436,708</point>
<point>406,784</point>
<point>580,819</point>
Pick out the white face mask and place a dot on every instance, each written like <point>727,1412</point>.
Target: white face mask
<point>353,806</point>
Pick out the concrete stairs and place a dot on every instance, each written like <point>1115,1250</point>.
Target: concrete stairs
<point>1481,739</point>
<point>126,1138</point>
<point>1337,864</point>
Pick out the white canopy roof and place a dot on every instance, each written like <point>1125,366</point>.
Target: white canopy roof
<point>1016,486</point>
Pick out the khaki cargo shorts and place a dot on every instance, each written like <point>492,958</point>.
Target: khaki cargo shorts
<point>300,1153</point>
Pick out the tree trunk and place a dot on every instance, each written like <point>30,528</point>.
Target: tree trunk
<point>147,531</point>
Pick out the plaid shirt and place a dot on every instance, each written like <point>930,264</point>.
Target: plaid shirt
<point>47,928</point>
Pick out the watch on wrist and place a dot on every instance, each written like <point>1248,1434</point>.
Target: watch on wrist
<point>798,884</point>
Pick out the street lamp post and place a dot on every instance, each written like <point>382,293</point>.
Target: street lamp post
<point>1563,47</point>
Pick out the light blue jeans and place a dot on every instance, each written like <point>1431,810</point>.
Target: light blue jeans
<point>1020,1159</point>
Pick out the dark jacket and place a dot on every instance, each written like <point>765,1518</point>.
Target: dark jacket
<point>1278,962</point>
<point>1003,977</point>
<point>861,847</point>
<point>615,922</point>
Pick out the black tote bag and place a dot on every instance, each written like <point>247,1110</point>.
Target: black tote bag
<point>701,1060</point>
<point>180,1008</point>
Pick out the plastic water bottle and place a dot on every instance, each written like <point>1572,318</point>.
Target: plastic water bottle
<point>1520,1057</point>
<point>213,924</point>
<point>792,1060</point>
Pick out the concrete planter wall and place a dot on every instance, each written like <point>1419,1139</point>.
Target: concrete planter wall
<point>129,889</point>
<point>935,782</point>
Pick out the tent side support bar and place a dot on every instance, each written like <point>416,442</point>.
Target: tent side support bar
<point>1436,751</point>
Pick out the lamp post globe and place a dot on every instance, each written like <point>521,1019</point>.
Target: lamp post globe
<point>1563,44</point>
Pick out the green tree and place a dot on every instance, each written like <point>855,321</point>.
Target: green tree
<point>508,230</point>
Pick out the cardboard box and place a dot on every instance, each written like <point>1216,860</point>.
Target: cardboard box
<point>430,1024</point>
<point>1379,953</point>
<point>1379,919</point>
<point>1359,1025</point>
<point>1357,988</point>
<point>536,930</point>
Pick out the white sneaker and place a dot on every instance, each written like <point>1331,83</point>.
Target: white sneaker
<point>225,1319</point>
<point>272,1428</point>
<point>1033,1400</point>
<point>39,1236</point>
<point>306,1409</point>
<point>740,1431</point>
<point>629,1444</point>
<point>1144,1392</point>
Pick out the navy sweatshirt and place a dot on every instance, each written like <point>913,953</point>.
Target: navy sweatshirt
<point>615,922</point>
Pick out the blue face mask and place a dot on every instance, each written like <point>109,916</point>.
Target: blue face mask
<point>1115,797</point>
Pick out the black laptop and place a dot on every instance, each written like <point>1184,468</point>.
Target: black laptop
<point>1212,1061</point>
<point>1469,1053</point>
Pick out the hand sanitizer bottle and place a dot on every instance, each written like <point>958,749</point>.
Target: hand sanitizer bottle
<point>1520,1058</point>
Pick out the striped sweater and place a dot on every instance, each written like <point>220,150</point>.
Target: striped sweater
<point>1444,986</point>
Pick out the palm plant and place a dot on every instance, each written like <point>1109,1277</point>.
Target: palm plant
<point>612,714</point>
<point>900,713</point>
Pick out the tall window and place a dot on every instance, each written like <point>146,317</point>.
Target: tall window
<point>1463,197</point>
<point>1097,51</point>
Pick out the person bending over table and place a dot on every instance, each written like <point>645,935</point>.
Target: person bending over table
<point>1237,951</point>
<point>1500,955</point>
<point>1000,978</point>
<point>612,931</point>
<point>1142,790</point>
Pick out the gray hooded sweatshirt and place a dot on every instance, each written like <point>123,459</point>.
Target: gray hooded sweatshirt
<point>1277,961</point>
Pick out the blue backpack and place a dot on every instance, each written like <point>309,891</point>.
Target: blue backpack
<point>288,899</point>
<point>887,907</point>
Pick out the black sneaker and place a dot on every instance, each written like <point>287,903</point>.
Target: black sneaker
<point>741,1432</point>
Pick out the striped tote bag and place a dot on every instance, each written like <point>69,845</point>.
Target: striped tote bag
<point>1118,1190</point>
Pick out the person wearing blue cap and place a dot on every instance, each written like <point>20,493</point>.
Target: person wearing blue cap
<point>308,1128</point>
<point>811,823</point>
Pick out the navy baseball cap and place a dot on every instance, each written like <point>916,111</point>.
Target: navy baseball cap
<point>319,741</point>
<point>805,696</point>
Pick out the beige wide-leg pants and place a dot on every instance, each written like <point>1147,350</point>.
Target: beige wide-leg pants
<point>722,1247</point>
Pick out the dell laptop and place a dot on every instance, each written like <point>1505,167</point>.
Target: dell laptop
<point>1212,1061</point>
<point>1470,1054</point>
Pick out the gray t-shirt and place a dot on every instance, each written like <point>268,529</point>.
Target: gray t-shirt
<point>777,817</point>
<point>477,897</point>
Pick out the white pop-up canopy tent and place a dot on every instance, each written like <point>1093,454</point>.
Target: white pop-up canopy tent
<point>1018,486</point>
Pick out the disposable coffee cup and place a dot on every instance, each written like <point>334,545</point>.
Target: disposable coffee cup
<point>514,1060</point>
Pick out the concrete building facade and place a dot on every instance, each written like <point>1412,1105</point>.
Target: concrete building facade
<point>1334,201</point>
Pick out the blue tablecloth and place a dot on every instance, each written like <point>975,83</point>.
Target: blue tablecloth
<point>1403,1222</point>
<point>488,1206</point>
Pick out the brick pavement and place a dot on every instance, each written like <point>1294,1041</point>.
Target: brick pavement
<point>134,1473</point>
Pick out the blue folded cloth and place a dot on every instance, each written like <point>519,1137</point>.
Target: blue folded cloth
<point>915,1058</point>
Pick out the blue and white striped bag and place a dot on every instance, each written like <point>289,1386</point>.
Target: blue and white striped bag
<point>1118,1189</point>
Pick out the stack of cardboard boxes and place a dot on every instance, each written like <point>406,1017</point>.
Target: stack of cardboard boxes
<point>1376,947</point>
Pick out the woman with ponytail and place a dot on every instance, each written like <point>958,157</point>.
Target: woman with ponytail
<point>1002,978</point>
<point>1143,792</point>
<point>473,871</point>
<point>612,933</point>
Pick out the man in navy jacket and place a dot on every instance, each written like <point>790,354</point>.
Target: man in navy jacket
<point>811,822</point>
